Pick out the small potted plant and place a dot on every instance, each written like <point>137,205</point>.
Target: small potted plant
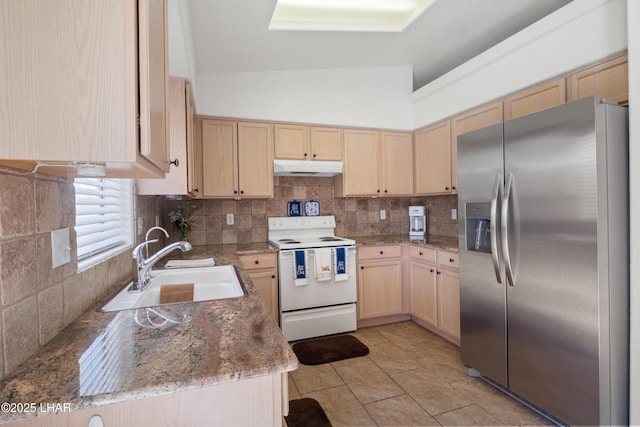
<point>184,219</point>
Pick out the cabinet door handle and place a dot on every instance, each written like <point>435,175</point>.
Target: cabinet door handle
<point>453,188</point>
<point>446,188</point>
<point>378,190</point>
<point>195,190</point>
<point>385,191</point>
<point>314,156</point>
<point>438,272</point>
<point>175,162</point>
<point>273,276</point>
<point>451,260</point>
<point>431,270</point>
<point>381,252</point>
<point>241,191</point>
<point>420,253</point>
<point>235,191</point>
<point>257,262</point>
<point>362,267</point>
<point>305,154</point>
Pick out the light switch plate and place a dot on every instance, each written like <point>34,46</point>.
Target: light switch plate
<point>383,214</point>
<point>60,247</point>
<point>230,219</point>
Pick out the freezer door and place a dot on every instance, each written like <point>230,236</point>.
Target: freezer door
<point>482,289</point>
<point>552,293</point>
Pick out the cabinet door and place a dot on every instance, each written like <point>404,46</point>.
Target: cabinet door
<point>424,292</point>
<point>194,150</point>
<point>609,79</point>
<point>379,289</point>
<point>255,159</point>
<point>477,118</point>
<point>154,83</point>
<point>175,182</point>
<point>432,159</point>
<point>361,163</point>
<point>397,163</point>
<point>535,99</point>
<point>266,282</point>
<point>219,158</point>
<point>326,143</point>
<point>291,142</point>
<point>449,302</point>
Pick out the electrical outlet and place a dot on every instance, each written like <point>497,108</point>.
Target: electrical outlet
<point>157,220</point>
<point>139,222</point>
<point>230,219</point>
<point>383,214</point>
<point>454,213</point>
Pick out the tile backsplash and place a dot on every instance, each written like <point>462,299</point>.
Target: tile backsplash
<point>38,301</point>
<point>355,216</point>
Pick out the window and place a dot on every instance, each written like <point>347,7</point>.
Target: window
<point>104,218</point>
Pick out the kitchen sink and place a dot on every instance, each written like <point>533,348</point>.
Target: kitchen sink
<point>210,283</point>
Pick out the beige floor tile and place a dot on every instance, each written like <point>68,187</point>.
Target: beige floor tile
<point>392,359</point>
<point>498,404</point>
<point>293,390</point>
<point>370,336</point>
<point>430,391</point>
<point>409,336</point>
<point>400,411</point>
<point>318,377</point>
<point>472,415</point>
<point>367,381</point>
<point>342,407</point>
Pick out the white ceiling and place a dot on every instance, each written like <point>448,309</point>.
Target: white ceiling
<point>232,36</point>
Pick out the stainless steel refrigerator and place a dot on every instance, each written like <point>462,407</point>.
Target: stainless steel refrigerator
<point>544,259</point>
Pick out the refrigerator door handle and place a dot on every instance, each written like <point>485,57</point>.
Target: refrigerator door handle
<point>505,230</point>
<point>493,228</point>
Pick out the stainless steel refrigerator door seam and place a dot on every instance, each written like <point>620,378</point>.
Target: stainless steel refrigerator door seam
<point>505,230</point>
<point>497,186</point>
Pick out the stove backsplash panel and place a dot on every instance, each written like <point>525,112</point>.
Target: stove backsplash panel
<point>355,216</point>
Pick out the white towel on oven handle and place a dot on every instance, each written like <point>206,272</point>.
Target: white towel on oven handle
<point>300,278</point>
<point>338,277</point>
<point>323,264</point>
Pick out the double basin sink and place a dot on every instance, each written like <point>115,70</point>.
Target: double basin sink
<point>209,283</point>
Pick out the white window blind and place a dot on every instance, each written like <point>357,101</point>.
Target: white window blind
<point>104,218</point>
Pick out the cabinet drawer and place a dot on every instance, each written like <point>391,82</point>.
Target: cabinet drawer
<point>423,254</point>
<point>448,259</point>
<point>255,261</point>
<point>377,252</point>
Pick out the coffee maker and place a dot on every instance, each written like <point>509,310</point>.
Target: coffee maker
<point>417,222</point>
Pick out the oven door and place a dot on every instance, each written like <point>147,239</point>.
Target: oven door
<point>315,293</point>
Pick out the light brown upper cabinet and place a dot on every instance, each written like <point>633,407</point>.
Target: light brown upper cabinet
<point>298,142</point>
<point>534,99</point>
<point>237,159</point>
<point>376,164</point>
<point>477,118</point>
<point>608,79</point>
<point>396,171</point>
<point>432,159</point>
<point>85,82</point>
<point>185,174</point>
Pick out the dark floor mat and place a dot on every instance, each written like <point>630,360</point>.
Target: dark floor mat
<point>330,349</point>
<point>306,413</point>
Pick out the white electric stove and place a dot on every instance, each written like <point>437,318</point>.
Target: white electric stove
<point>322,301</point>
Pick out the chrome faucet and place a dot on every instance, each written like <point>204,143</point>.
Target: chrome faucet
<point>146,238</point>
<point>143,266</point>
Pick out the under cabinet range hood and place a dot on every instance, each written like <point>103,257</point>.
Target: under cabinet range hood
<point>317,168</point>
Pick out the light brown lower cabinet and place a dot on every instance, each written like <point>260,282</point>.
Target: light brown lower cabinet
<point>262,269</point>
<point>379,281</point>
<point>260,401</point>
<point>435,291</point>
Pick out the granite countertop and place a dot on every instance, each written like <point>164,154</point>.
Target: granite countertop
<point>103,358</point>
<point>438,242</point>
